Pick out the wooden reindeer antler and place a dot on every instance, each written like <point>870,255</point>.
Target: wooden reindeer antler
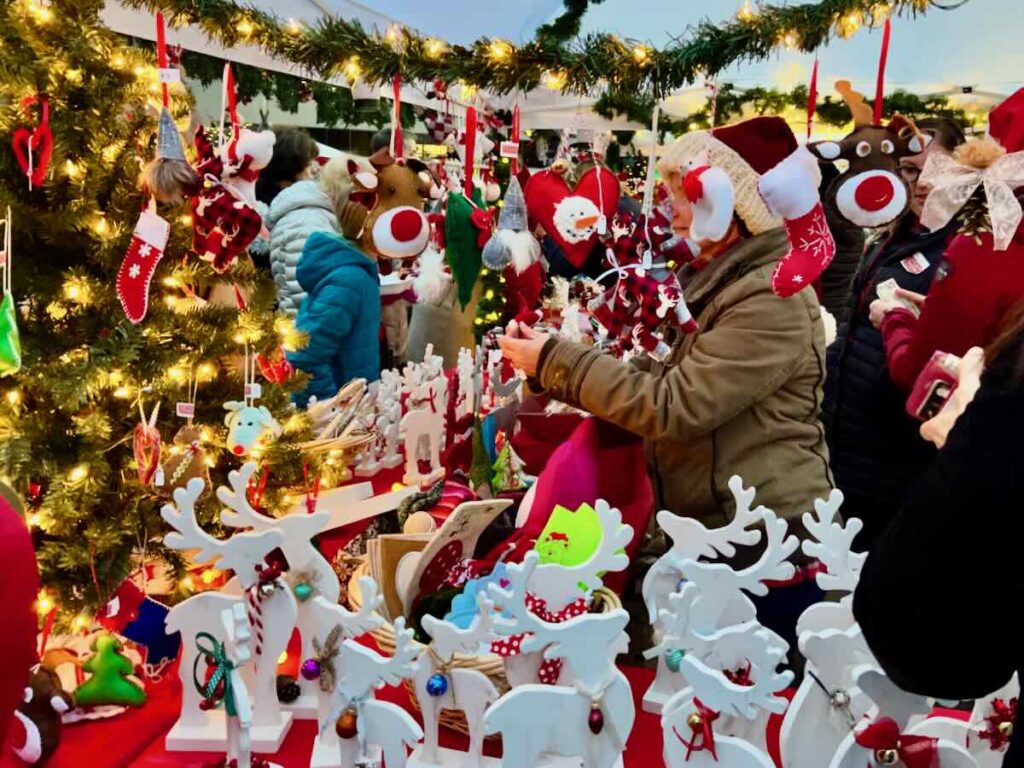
<point>448,639</point>
<point>833,544</point>
<point>774,564</point>
<point>239,513</point>
<point>402,664</point>
<point>763,650</point>
<point>558,585</point>
<point>863,115</point>
<point>241,553</point>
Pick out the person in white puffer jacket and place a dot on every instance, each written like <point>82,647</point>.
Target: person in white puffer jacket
<point>297,212</point>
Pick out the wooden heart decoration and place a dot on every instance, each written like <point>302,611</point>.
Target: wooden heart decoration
<point>39,139</point>
<point>573,217</point>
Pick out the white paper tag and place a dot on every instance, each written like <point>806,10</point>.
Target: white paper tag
<point>253,390</point>
<point>186,410</point>
<point>113,607</point>
<point>915,264</point>
<point>509,149</point>
<point>158,477</point>
<point>170,75</point>
<point>602,226</point>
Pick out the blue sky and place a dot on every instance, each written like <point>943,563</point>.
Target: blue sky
<point>981,44</point>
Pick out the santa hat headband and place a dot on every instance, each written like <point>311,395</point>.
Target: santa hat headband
<point>744,151</point>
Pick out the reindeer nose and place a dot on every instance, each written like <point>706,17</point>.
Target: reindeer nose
<point>406,225</point>
<point>875,192</point>
<point>238,450</point>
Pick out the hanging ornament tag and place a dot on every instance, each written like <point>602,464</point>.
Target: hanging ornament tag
<point>186,410</point>
<point>158,477</point>
<point>509,149</point>
<point>602,226</point>
<point>170,75</point>
<point>253,390</point>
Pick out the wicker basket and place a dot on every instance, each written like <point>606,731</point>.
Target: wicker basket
<point>491,665</point>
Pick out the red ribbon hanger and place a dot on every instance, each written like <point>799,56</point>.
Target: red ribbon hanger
<point>702,736</point>
<point>161,54</point>
<point>470,151</point>
<point>398,147</point>
<point>883,58</point>
<point>812,98</point>
<point>515,137</point>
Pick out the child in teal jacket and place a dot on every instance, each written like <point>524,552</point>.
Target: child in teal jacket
<point>341,315</point>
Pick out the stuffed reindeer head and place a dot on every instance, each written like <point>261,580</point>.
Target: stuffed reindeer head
<point>871,193</point>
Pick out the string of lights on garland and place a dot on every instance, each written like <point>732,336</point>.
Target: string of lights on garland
<point>333,46</point>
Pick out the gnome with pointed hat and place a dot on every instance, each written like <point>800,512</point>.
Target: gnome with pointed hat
<point>168,177</point>
<point>514,250</point>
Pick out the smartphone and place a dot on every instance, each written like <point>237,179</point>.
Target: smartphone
<point>934,386</point>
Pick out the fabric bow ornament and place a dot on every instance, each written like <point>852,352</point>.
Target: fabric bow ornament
<point>218,685</point>
<point>550,669</point>
<point>483,219</point>
<point>883,737</point>
<point>953,183</point>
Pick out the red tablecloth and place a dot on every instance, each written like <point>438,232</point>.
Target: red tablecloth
<point>137,738</point>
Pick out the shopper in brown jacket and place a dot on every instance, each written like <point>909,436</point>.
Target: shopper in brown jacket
<point>740,396</point>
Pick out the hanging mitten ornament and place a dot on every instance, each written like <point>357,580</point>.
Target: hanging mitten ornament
<point>790,190</point>
<point>10,340</point>
<point>144,253</point>
<point>33,147</point>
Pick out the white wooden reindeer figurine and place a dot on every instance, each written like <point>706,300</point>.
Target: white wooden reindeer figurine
<point>465,403</point>
<point>691,540</point>
<point>588,721</point>
<point>333,623</point>
<point>271,608</point>
<point>364,725</point>
<point>887,736</point>
<point>440,686</point>
<point>425,423</point>
<point>827,704</point>
<point>692,720</point>
<point>309,572</point>
<point>559,586</point>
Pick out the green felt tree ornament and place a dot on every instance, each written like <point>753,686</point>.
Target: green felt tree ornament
<point>109,683</point>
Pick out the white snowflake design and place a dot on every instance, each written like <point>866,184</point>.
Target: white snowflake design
<point>134,271</point>
<point>145,249</point>
<point>818,238</point>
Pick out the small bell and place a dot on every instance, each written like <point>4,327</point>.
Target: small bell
<point>437,685</point>
<point>887,757</point>
<point>346,727</point>
<point>310,669</point>
<point>1006,729</point>
<point>595,720</point>
<point>303,591</point>
<point>673,659</point>
<point>267,588</point>
<point>840,699</point>
<point>695,721</point>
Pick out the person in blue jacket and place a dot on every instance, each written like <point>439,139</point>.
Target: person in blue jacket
<point>340,314</point>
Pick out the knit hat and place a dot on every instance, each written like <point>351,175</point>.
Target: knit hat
<point>168,139</point>
<point>743,152</point>
<point>513,212</point>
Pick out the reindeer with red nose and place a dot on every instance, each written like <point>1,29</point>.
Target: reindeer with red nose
<point>871,193</point>
<point>395,227</point>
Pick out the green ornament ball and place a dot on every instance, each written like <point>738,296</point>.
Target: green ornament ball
<point>303,591</point>
<point>673,659</point>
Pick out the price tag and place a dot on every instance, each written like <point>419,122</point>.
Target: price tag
<point>185,410</point>
<point>510,149</point>
<point>253,390</point>
<point>158,478</point>
<point>170,75</point>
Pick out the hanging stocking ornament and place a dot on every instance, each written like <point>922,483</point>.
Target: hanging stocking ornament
<point>10,340</point>
<point>790,190</point>
<point>144,253</point>
<point>33,148</point>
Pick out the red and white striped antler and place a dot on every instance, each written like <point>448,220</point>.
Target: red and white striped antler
<point>241,553</point>
<point>833,544</point>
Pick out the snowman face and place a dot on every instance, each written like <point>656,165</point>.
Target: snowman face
<point>576,219</point>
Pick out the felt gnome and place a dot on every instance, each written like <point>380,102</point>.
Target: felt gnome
<point>168,176</point>
<point>791,190</point>
<point>512,243</point>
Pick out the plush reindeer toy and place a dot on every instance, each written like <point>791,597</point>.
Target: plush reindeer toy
<point>871,193</point>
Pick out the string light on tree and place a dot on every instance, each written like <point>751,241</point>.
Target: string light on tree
<point>74,170</point>
<point>435,48</point>
<point>245,28</point>
<point>499,50</point>
<point>351,69</point>
<point>642,54</point>
<point>746,13</point>
<point>44,603</point>
<point>556,81</point>
<point>394,36</point>
<point>14,396</point>
<point>293,27</point>
<point>849,24</point>
<point>79,473</point>
<point>789,40</point>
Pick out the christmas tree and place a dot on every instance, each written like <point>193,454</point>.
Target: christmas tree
<point>109,683</point>
<point>67,418</point>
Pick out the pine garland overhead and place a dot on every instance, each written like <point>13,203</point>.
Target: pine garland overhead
<point>334,46</point>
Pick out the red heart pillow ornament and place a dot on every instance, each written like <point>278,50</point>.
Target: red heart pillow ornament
<point>573,218</point>
<point>27,142</point>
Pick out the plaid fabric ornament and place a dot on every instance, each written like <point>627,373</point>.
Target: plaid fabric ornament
<point>439,126</point>
<point>224,226</point>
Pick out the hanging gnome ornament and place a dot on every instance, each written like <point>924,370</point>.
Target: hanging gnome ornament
<point>515,251</point>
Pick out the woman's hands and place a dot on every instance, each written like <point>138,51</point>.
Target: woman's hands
<point>938,428</point>
<point>521,346</point>
<point>880,307</point>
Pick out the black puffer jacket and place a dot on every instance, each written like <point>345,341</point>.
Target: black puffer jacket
<point>874,445</point>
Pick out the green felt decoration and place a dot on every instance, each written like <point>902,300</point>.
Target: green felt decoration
<point>109,683</point>
<point>461,237</point>
<point>569,538</point>
<point>10,341</point>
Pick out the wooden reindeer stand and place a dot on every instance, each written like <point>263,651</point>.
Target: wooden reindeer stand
<point>586,723</point>
<point>439,686</point>
<point>309,573</point>
<point>271,610</point>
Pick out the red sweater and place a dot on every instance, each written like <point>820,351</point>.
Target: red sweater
<point>973,289</point>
